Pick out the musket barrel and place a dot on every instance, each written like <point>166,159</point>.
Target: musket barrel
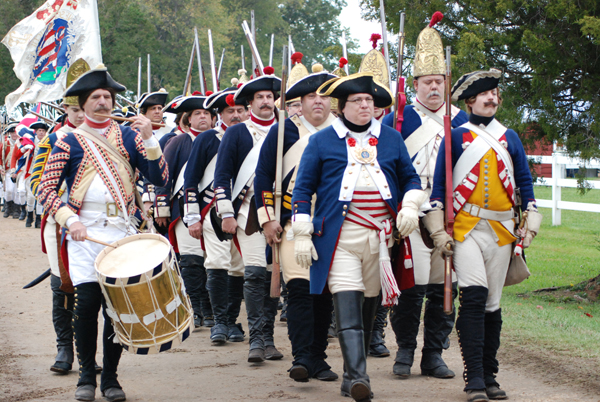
<point>253,48</point>
<point>188,76</point>
<point>213,70</point>
<point>199,57</point>
<point>345,52</point>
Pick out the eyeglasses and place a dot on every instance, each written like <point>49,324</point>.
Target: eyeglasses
<point>359,101</point>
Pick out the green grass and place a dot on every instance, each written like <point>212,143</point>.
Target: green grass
<point>559,256</point>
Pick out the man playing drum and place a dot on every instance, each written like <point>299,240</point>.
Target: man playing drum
<point>100,204</point>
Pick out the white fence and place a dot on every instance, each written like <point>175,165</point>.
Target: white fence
<point>560,162</point>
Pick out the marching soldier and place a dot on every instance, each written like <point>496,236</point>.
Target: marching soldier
<point>21,161</point>
<point>62,298</point>
<point>423,131</point>
<point>491,181</point>
<point>234,189</point>
<point>100,204</point>
<point>180,127</point>
<point>166,206</point>
<point>8,186</point>
<point>309,316</point>
<point>40,129</point>
<point>223,263</point>
<point>151,105</point>
<point>360,172</point>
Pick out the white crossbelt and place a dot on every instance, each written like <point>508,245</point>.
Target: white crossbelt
<point>475,210</point>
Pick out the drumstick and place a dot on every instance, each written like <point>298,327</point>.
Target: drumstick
<point>118,118</point>
<point>96,241</point>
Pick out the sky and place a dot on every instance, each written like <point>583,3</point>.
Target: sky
<point>360,30</point>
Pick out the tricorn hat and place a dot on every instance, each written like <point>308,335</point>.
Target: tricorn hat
<point>429,53</point>
<point>475,83</point>
<point>76,70</point>
<point>267,82</point>
<point>153,98</point>
<point>98,78</point>
<point>222,99</point>
<point>356,84</point>
<point>11,127</point>
<point>38,124</point>
<point>188,103</point>
<point>309,83</point>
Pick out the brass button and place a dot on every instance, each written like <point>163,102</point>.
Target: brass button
<point>344,213</point>
<point>345,206</point>
<point>345,187</point>
<point>418,162</point>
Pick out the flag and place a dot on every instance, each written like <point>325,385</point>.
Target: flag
<point>46,43</point>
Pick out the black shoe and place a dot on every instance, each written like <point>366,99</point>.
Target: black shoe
<point>494,392</point>
<point>38,221</point>
<point>298,373</point>
<point>197,321</point>
<point>326,375</point>
<point>236,333</point>
<point>8,209</point>
<point>476,395</point>
<point>256,356</point>
<point>271,353</point>
<point>209,322</point>
<point>85,392</point>
<point>433,365</point>
<point>98,368</point>
<point>401,370</point>
<point>23,214</point>
<point>61,368</point>
<point>114,394</point>
<point>16,213</point>
<point>29,221</point>
<point>218,334</point>
<point>378,350</point>
<point>283,316</point>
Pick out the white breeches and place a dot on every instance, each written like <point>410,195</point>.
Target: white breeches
<point>479,261</point>
<point>51,245</point>
<point>220,254</point>
<point>9,188</point>
<point>252,248</point>
<point>187,244</point>
<point>21,193</point>
<point>289,268</point>
<point>355,266</point>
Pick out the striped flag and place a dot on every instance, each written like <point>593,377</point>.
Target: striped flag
<point>46,43</point>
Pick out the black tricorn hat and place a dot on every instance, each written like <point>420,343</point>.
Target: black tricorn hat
<point>153,98</point>
<point>98,78</point>
<point>220,100</point>
<point>308,84</point>
<point>11,126</point>
<point>267,82</point>
<point>475,83</point>
<point>38,124</point>
<point>359,83</point>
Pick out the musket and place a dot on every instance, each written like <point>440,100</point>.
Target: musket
<point>52,105</point>
<point>243,58</point>
<point>253,34</point>
<point>188,76</point>
<point>345,52</point>
<point>130,103</point>
<point>220,67</point>
<point>385,41</point>
<point>47,120</point>
<point>200,69</point>
<point>289,56</point>
<point>400,95</point>
<point>260,67</point>
<point>149,81</point>
<point>213,69</point>
<point>139,87</point>
<point>271,50</point>
<point>275,274</point>
<point>448,307</point>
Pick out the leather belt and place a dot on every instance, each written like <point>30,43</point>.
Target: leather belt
<point>475,210</point>
<point>110,208</point>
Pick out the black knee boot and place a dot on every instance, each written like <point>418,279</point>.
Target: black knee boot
<point>437,326</point>
<point>349,319</point>
<point>254,295</point>
<point>470,327</point>
<point>405,320</point>
<point>88,300</point>
<point>9,206</point>
<point>269,314</point>
<point>62,316</point>
<point>23,213</point>
<point>322,306</point>
<point>38,221</point>
<point>216,285</point>
<point>491,344</point>
<point>29,221</point>
<point>377,347</point>
<point>235,291</point>
<point>300,328</point>
<point>194,279</point>
<point>16,213</point>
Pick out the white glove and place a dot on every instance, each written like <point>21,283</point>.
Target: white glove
<point>304,250</point>
<point>434,223</point>
<point>532,226</point>
<point>408,217</point>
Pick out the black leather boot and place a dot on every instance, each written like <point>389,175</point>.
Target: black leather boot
<point>269,314</point>
<point>405,320</point>
<point>38,221</point>
<point>29,221</point>
<point>437,327</point>
<point>62,316</point>
<point>377,347</point>
<point>216,285</point>
<point>254,296</point>
<point>16,213</point>
<point>470,327</point>
<point>192,267</point>
<point>9,209</point>
<point>491,344</point>
<point>349,319</point>
<point>23,213</point>
<point>369,311</point>
<point>235,290</point>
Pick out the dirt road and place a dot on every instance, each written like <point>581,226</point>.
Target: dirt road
<point>196,370</point>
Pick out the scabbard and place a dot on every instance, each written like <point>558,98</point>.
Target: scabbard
<point>38,279</point>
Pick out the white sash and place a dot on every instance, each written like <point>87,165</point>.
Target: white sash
<point>209,175</point>
<point>427,131</point>
<point>179,181</point>
<point>247,170</point>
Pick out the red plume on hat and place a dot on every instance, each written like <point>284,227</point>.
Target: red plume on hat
<point>197,93</point>
<point>374,38</point>
<point>268,70</point>
<point>209,93</point>
<point>343,62</point>
<point>297,58</point>
<point>435,18</point>
<point>229,100</point>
